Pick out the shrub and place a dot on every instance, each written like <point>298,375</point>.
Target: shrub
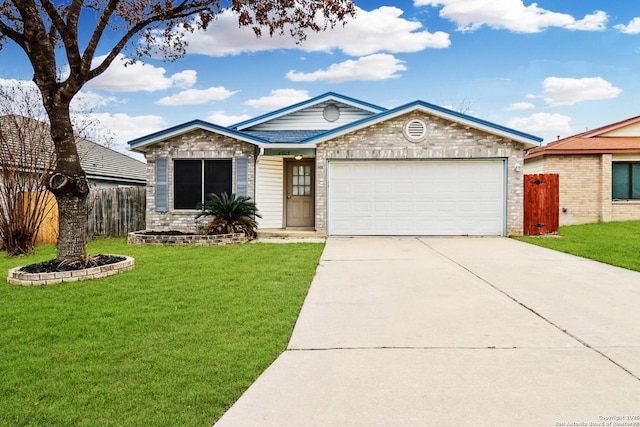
<point>231,214</point>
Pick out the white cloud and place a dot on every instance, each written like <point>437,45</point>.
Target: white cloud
<point>568,91</point>
<point>121,128</point>
<point>542,124</point>
<point>185,79</point>
<point>632,28</point>
<point>197,96</point>
<point>25,85</point>
<point>220,118</point>
<point>279,98</point>
<point>87,101</point>
<point>380,66</point>
<point>512,15</point>
<point>521,106</point>
<point>379,30</point>
<point>138,77</point>
<point>595,22</point>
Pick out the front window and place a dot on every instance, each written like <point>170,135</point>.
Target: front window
<point>194,180</point>
<point>625,180</point>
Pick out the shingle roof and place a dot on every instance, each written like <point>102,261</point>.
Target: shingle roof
<point>285,136</point>
<point>98,161</point>
<point>592,142</point>
<point>311,137</point>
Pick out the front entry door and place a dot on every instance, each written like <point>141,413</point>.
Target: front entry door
<point>299,192</point>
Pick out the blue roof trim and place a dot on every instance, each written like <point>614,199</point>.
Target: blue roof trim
<point>431,107</point>
<point>300,105</point>
<point>144,140</point>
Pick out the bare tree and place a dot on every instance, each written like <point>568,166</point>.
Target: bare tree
<point>49,33</point>
<point>26,159</point>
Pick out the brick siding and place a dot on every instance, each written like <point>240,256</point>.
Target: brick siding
<point>198,144</point>
<point>444,140</point>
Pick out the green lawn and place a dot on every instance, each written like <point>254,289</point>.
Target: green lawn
<point>616,243</point>
<point>173,342</point>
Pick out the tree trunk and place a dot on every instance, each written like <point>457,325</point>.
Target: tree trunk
<point>72,223</point>
<point>68,182</point>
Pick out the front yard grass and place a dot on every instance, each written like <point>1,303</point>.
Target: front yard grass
<point>173,342</point>
<point>616,243</point>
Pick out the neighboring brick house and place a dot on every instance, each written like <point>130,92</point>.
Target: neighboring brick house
<point>342,166</point>
<point>599,172</point>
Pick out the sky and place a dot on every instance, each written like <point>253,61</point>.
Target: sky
<point>551,68</point>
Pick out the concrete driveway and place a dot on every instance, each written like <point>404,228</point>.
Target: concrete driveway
<point>455,332</point>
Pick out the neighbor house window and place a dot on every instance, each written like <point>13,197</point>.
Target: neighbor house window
<point>194,180</point>
<point>625,180</point>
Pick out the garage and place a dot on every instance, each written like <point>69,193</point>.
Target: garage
<point>427,197</point>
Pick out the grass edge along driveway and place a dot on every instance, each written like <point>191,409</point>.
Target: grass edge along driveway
<point>174,342</point>
<point>615,243</point>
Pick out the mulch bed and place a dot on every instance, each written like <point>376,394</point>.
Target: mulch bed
<point>55,265</point>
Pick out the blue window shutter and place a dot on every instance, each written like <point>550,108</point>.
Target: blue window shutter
<point>162,184</point>
<point>242,176</point>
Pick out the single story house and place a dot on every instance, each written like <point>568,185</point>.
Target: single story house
<point>342,166</point>
<point>599,172</point>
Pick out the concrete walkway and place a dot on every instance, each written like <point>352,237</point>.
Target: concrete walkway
<point>455,332</point>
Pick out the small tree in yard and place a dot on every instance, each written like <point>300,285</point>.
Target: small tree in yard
<point>26,159</point>
<point>49,35</point>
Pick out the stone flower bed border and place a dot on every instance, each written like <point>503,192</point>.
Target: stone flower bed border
<point>17,277</point>
<point>138,238</point>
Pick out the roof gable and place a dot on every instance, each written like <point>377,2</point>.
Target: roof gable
<point>308,123</point>
<point>454,116</point>
<point>620,137</point>
<point>620,128</point>
<point>141,144</point>
<point>307,115</point>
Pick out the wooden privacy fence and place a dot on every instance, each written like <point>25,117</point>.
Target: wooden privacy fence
<point>541,204</point>
<point>113,212</point>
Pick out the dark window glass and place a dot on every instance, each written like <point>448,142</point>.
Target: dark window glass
<point>217,177</point>
<point>635,180</point>
<point>187,184</point>
<point>625,180</point>
<point>189,187</point>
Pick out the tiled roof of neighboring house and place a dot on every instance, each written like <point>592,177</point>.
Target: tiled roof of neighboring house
<point>593,142</point>
<point>99,162</point>
<point>103,163</point>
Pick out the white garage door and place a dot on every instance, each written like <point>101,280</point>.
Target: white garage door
<point>435,198</point>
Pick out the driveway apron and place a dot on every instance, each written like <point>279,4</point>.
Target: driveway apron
<point>455,332</point>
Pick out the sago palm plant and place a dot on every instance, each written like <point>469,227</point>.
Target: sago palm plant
<point>231,214</point>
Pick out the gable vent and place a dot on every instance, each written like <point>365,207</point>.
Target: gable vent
<point>415,130</point>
